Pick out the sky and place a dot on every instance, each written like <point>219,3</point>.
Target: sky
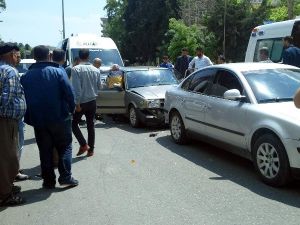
<point>36,22</point>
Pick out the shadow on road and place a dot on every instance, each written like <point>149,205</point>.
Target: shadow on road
<point>233,168</point>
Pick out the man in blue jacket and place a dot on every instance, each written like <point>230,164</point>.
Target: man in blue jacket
<point>291,53</point>
<point>50,101</point>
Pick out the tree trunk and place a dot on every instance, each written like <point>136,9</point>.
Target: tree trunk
<point>290,9</point>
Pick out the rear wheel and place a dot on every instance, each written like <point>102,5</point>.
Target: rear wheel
<point>271,161</point>
<point>133,117</point>
<point>177,128</point>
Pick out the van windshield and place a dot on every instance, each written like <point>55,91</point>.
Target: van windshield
<point>108,56</point>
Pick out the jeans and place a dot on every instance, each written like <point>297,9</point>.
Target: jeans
<point>21,125</point>
<point>58,135</point>
<point>89,110</point>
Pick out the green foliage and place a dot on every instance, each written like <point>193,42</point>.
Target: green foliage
<point>278,13</point>
<point>189,37</point>
<point>2,4</point>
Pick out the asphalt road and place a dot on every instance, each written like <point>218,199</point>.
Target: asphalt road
<point>140,177</point>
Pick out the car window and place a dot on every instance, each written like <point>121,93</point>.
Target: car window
<point>273,85</point>
<point>274,45</point>
<point>224,80</point>
<point>201,81</point>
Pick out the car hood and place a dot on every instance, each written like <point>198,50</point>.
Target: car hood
<point>286,110</point>
<point>152,92</point>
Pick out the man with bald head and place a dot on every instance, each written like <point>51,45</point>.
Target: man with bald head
<point>97,62</point>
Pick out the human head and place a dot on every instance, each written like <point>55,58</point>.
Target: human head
<point>115,67</point>
<point>263,54</point>
<point>221,59</point>
<point>165,58</point>
<point>97,62</point>
<point>184,51</point>
<point>41,53</point>
<point>287,41</point>
<point>199,52</point>
<point>59,56</point>
<point>10,53</point>
<point>84,54</point>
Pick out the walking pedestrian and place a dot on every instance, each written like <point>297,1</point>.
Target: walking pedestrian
<point>12,109</point>
<point>50,101</point>
<point>86,82</point>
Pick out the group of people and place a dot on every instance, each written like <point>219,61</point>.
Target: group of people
<point>53,105</point>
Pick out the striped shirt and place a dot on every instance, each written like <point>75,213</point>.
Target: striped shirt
<point>12,99</point>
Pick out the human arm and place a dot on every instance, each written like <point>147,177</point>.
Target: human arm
<point>191,64</point>
<point>76,85</point>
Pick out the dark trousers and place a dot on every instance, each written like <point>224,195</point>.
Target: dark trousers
<point>59,136</point>
<point>89,110</point>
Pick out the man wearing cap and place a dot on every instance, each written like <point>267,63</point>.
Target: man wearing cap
<point>12,109</point>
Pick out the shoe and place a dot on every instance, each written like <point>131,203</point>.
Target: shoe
<point>70,183</point>
<point>21,177</point>
<point>90,153</point>
<point>83,149</point>
<point>16,189</point>
<point>12,200</point>
<point>48,186</point>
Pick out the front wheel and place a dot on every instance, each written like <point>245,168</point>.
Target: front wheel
<point>271,161</point>
<point>177,128</point>
<point>133,117</point>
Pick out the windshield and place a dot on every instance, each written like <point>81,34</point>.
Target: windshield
<point>273,85</point>
<point>108,56</point>
<point>145,78</point>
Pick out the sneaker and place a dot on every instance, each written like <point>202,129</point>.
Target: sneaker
<point>12,200</point>
<point>21,177</point>
<point>70,183</point>
<point>16,189</point>
<point>90,153</point>
<point>83,149</point>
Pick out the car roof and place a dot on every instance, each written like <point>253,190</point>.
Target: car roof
<point>249,66</point>
<point>27,61</point>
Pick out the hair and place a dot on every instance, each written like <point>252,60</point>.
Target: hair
<point>184,49</point>
<point>221,57</point>
<point>289,39</point>
<point>58,55</point>
<point>84,53</point>
<point>165,57</point>
<point>199,49</point>
<point>264,50</point>
<point>40,53</point>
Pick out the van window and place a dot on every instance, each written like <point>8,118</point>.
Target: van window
<point>275,46</point>
<point>108,56</point>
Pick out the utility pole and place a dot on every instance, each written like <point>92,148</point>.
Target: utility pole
<point>63,18</point>
<point>290,5</point>
<point>224,27</point>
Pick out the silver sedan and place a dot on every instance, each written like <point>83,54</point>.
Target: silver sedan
<point>248,109</point>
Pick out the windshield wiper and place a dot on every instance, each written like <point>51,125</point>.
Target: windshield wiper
<point>275,100</point>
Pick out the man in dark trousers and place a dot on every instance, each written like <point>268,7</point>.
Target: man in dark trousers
<point>12,109</point>
<point>50,101</point>
<point>86,82</point>
<point>182,62</point>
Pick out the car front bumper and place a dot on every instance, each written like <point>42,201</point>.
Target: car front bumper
<point>154,116</point>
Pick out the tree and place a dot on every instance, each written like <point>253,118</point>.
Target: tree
<point>146,23</point>
<point>241,17</point>
<point>190,37</point>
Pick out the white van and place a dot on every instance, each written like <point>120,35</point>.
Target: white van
<point>270,36</point>
<point>100,47</point>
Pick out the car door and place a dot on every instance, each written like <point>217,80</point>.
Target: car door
<point>225,118</point>
<point>194,105</point>
<point>111,100</point>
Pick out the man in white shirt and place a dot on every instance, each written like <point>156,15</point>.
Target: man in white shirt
<point>199,61</point>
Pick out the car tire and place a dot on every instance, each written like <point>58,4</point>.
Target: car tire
<point>133,117</point>
<point>177,128</point>
<point>271,161</point>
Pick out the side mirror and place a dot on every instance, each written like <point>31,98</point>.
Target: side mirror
<point>233,94</point>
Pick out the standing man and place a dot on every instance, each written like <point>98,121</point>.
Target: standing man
<point>69,68</point>
<point>182,62</point>
<point>291,53</point>
<point>166,63</point>
<point>50,101</point>
<point>200,60</point>
<point>97,62</point>
<point>59,56</point>
<point>86,82</point>
<point>12,109</point>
